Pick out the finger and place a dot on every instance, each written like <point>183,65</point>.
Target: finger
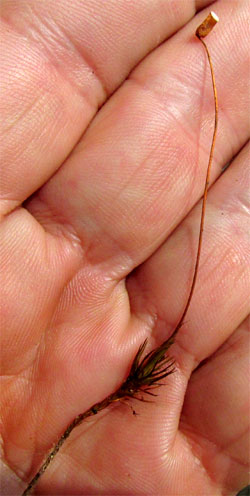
<point>216,411</point>
<point>60,61</point>
<point>141,165</point>
<point>161,286</point>
<point>34,270</point>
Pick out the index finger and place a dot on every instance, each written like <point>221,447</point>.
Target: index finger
<point>60,61</point>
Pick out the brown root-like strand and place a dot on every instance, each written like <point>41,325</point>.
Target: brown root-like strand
<point>146,372</point>
<point>143,375</point>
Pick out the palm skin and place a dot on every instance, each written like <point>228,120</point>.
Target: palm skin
<point>99,235</point>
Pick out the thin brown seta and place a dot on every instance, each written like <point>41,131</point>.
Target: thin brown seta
<point>147,372</point>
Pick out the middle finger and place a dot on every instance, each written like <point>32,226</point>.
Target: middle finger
<point>140,168</point>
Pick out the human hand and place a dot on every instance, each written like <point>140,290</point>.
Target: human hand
<point>102,254</point>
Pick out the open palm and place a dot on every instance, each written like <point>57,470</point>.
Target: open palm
<point>98,243</point>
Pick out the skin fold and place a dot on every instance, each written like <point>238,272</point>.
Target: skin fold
<point>107,118</point>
